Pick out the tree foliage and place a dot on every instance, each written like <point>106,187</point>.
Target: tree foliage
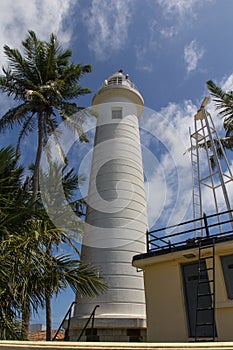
<point>224,105</point>
<point>29,270</point>
<point>44,83</point>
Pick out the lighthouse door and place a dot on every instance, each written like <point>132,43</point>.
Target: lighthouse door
<point>190,279</point>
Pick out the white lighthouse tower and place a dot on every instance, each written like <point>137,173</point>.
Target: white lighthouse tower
<point>116,220</point>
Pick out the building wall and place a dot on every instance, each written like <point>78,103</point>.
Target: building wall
<point>224,306</point>
<point>166,319</point>
<point>165,301</point>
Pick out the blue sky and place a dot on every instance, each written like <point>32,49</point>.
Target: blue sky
<point>170,48</point>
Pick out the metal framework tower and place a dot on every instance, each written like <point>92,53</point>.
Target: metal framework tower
<point>206,147</point>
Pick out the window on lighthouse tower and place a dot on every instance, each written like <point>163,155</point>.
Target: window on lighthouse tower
<point>117,113</point>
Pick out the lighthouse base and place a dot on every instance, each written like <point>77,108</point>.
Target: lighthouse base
<point>117,329</point>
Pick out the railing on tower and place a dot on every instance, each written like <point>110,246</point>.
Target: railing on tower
<point>119,81</point>
<point>68,314</point>
<point>90,319</point>
<point>183,235</point>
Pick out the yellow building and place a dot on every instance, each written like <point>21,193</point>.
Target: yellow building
<point>182,303</point>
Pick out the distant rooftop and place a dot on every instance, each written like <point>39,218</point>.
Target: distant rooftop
<point>41,335</point>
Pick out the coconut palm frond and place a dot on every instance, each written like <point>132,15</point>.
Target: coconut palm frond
<point>28,127</point>
<point>222,99</point>
<point>14,116</point>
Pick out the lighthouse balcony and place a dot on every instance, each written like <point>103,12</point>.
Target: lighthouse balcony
<point>119,81</point>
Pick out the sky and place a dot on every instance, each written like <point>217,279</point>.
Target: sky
<point>169,48</point>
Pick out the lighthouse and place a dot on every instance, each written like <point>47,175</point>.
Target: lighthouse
<point>116,219</point>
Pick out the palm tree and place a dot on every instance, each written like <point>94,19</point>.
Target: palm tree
<point>9,179</point>
<point>224,104</point>
<point>57,271</point>
<point>61,272</point>
<point>30,272</point>
<point>44,84</point>
<point>16,225</point>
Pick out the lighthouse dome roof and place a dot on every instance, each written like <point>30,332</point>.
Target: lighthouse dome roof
<point>117,74</point>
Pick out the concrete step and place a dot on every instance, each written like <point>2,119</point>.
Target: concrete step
<point>30,345</point>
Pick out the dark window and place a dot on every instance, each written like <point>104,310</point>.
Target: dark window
<point>227,267</point>
<point>117,113</point>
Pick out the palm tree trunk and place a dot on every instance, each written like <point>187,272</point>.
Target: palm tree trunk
<point>25,318</point>
<point>48,294</point>
<point>48,314</point>
<point>38,158</point>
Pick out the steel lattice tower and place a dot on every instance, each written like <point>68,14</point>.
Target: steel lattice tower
<point>206,146</point>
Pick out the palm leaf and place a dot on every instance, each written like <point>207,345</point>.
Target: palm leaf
<point>14,116</point>
<point>83,279</point>
<point>222,99</point>
<point>26,129</point>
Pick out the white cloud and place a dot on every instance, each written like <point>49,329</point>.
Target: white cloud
<point>165,138</point>
<point>181,12</point>
<point>44,17</point>
<point>143,61</point>
<point>227,84</point>
<point>168,32</point>
<point>107,24</point>
<point>179,7</point>
<point>145,50</point>
<point>153,33</point>
<point>192,55</point>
